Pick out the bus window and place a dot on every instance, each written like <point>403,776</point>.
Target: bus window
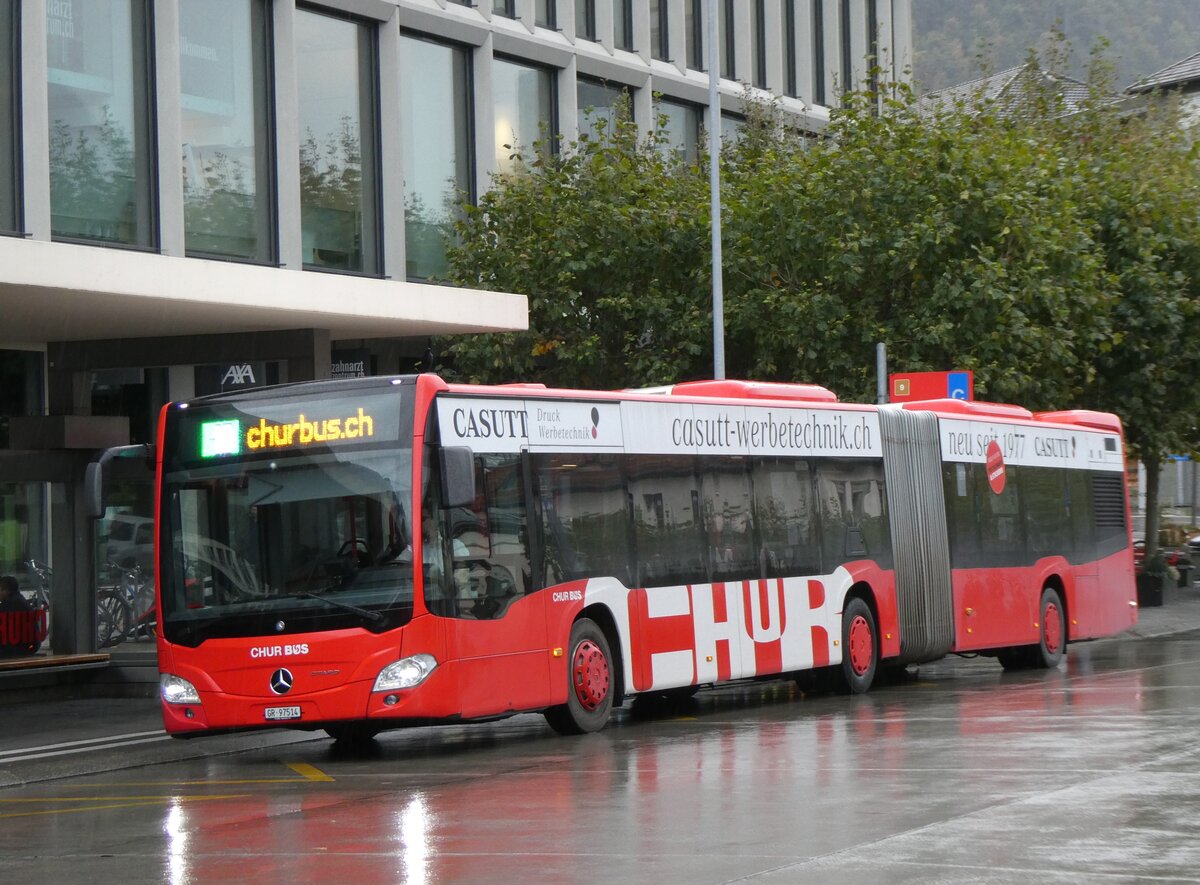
<point>785,514</point>
<point>666,519</point>
<point>585,518</point>
<point>489,541</point>
<point>853,511</point>
<point>726,510</point>
<point>962,487</point>
<point>1047,524</point>
<point>1002,531</point>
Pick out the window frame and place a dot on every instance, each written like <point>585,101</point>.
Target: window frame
<point>585,25</point>
<point>372,195</point>
<point>144,133</point>
<point>266,155</point>
<point>13,223</point>
<point>472,192</point>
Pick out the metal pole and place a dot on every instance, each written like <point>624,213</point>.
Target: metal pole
<point>714,183</point>
<point>881,391</point>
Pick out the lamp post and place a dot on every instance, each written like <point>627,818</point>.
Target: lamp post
<point>714,183</point>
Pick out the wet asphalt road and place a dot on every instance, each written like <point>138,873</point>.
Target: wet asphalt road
<point>960,773</point>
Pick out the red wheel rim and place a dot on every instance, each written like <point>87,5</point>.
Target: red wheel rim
<point>589,675</point>
<point>1052,628</point>
<point>862,645</point>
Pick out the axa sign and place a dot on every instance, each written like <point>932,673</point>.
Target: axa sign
<point>238,375</point>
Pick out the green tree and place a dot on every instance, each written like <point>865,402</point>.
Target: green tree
<point>610,242</point>
<point>1053,253</point>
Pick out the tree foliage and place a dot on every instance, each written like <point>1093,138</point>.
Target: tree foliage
<point>1054,254</point>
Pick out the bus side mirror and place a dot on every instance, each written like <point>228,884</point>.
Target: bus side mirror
<point>93,475</point>
<point>93,490</point>
<point>458,476</point>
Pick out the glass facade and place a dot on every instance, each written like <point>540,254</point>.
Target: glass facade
<point>693,20</point>
<point>544,14</point>
<point>98,75</point>
<point>585,19</point>
<point>679,127</point>
<point>523,97</point>
<point>600,104</point>
<point>758,43</point>
<point>623,24</point>
<point>338,108</point>
<point>726,37</point>
<point>789,48</point>
<point>504,7</point>
<point>227,143</point>
<point>660,30</point>
<point>10,115</point>
<point>435,88</point>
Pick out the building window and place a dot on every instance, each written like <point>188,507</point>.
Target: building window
<point>789,48</point>
<point>227,140</point>
<point>732,128</point>
<point>758,43</point>
<point>600,106</point>
<point>10,114</point>
<point>585,19</point>
<point>659,30</point>
<point>693,21</point>
<point>847,83</point>
<point>524,112</point>
<point>98,88</point>
<point>818,53</point>
<point>679,127</point>
<point>874,63</point>
<point>435,89</point>
<point>623,24</point>
<point>545,14</point>
<point>505,8</point>
<point>339,223</point>
<point>726,38</point>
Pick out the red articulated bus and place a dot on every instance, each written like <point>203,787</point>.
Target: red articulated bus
<point>368,554</point>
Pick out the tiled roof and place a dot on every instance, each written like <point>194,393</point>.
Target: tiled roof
<point>1177,74</point>
<point>1009,89</point>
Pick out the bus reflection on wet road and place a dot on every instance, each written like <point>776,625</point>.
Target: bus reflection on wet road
<point>958,773</point>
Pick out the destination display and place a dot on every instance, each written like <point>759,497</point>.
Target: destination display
<point>210,433</point>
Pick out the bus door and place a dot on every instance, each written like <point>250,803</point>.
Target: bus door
<point>496,628</point>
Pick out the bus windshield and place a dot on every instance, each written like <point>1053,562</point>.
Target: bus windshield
<point>304,539</point>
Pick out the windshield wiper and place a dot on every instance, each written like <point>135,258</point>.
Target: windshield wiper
<point>370,615</point>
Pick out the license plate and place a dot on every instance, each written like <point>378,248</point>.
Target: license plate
<point>277,713</point>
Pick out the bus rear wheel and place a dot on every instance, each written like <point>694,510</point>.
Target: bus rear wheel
<point>590,682</point>
<point>1052,644</point>
<point>860,648</point>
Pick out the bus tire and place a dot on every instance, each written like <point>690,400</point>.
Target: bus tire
<point>590,682</point>
<point>352,733</point>
<point>1015,658</point>
<point>860,648</point>
<point>1052,641</point>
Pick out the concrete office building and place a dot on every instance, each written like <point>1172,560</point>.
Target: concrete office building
<point>201,195</point>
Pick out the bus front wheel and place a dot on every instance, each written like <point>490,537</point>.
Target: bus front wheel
<point>860,648</point>
<point>590,682</point>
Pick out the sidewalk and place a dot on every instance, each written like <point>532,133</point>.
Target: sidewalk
<point>44,740</point>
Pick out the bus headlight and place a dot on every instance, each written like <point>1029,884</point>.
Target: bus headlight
<point>176,690</point>
<point>405,673</point>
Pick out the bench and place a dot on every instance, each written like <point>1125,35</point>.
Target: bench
<point>53,662</point>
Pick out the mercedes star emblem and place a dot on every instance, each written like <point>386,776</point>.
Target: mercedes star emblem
<point>281,681</point>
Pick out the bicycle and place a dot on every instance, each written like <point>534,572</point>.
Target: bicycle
<point>125,609</point>
<point>41,592</point>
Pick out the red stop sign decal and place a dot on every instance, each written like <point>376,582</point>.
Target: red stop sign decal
<point>995,467</point>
